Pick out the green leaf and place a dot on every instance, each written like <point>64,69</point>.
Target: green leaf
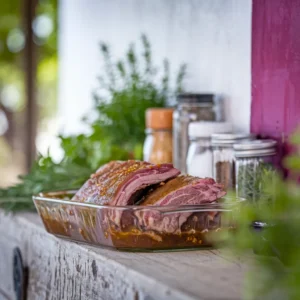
<point>292,162</point>
<point>295,138</point>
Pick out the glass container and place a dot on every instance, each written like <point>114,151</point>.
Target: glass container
<point>158,145</point>
<point>190,108</point>
<point>224,158</point>
<point>137,228</point>
<point>254,168</point>
<point>199,159</point>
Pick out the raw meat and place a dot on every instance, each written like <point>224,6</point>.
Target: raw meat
<point>182,190</point>
<point>185,190</point>
<point>120,183</point>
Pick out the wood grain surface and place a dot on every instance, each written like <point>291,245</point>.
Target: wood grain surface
<point>60,269</point>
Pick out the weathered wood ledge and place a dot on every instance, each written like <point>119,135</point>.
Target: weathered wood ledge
<point>59,269</point>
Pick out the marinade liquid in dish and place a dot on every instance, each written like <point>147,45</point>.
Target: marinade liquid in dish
<point>139,206</point>
<point>203,226</point>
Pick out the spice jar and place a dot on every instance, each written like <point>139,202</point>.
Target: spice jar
<point>254,168</point>
<point>158,144</point>
<point>199,158</point>
<point>223,157</point>
<point>190,108</point>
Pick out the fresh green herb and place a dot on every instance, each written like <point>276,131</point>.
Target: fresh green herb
<point>253,179</point>
<point>126,89</point>
<point>45,175</point>
<point>276,277</point>
<point>132,86</point>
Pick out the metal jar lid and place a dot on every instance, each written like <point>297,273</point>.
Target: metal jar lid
<point>230,138</point>
<point>255,148</point>
<point>192,98</point>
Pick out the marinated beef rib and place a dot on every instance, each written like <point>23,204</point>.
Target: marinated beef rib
<point>185,190</point>
<point>119,182</point>
<point>182,190</point>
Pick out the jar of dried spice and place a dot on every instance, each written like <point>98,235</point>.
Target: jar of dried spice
<point>158,146</point>
<point>223,157</point>
<point>254,168</point>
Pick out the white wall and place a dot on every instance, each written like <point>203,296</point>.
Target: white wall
<point>212,36</point>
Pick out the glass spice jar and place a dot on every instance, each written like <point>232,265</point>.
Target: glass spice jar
<point>199,158</point>
<point>254,168</point>
<point>223,157</point>
<point>158,144</point>
<point>190,108</point>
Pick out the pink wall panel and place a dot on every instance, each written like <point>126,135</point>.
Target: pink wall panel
<point>275,109</point>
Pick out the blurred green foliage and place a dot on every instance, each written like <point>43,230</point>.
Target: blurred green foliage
<point>45,175</point>
<point>277,271</point>
<point>10,19</point>
<point>133,88</point>
<point>12,41</point>
<point>126,89</point>
<point>12,79</point>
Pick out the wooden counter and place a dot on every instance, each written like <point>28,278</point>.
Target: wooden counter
<point>59,269</point>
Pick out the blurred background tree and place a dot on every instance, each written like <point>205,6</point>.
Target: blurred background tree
<point>17,18</point>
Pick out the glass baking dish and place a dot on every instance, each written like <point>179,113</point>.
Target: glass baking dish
<point>137,228</point>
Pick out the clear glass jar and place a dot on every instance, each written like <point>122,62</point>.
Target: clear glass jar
<point>199,158</point>
<point>158,145</point>
<point>190,108</point>
<point>254,169</point>
<point>224,158</point>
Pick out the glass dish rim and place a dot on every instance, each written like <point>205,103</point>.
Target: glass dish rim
<point>45,196</point>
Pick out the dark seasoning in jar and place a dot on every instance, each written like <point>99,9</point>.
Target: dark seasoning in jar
<point>225,173</point>
<point>223,157</point>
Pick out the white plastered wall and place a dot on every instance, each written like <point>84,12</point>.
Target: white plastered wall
<point>212,36</point>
